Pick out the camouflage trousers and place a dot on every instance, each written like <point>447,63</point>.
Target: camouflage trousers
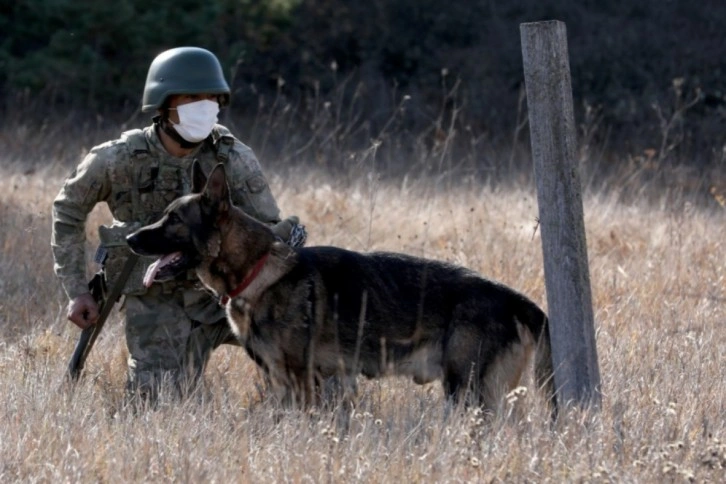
<point>170,335</point>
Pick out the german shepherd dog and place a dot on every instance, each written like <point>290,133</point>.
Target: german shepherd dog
<point>307,314</point>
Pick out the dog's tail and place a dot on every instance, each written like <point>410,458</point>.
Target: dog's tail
<point>544,372</point>
<point>544,375</point>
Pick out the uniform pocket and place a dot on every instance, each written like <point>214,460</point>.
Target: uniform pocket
<point>169,186</point>
<point>259,200</point>
<point>256,184</point>
<point>121,206</point>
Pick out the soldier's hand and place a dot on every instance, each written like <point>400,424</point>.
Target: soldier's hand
<point>83,311</point>
<point>291,231</point>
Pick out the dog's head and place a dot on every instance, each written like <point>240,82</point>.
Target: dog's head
<point>185,235</point>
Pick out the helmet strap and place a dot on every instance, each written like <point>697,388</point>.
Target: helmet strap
<point>168,128</point>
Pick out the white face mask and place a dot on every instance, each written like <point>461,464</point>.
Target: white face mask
<point>196,119</point>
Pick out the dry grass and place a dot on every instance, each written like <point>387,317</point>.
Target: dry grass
<point>659,284</point>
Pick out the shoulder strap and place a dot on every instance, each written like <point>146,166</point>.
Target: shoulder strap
<point>136,142</point>
<point>222,142</point>
<point>138,149</point>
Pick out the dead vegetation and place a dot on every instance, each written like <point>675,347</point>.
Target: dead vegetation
<point>659,286</point>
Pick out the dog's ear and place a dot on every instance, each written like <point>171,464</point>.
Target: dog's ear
<point>217,189</point>
<point>199,179</point>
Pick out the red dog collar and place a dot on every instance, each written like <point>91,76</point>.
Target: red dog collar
<point>246,282</point>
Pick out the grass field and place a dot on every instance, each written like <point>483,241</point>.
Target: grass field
<point>658,272</point>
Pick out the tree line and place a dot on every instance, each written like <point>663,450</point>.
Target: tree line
<point>646,75</point>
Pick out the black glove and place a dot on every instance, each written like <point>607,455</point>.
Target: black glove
<point>291,231</point>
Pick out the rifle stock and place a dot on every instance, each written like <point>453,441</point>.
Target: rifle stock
<point>106,301</point>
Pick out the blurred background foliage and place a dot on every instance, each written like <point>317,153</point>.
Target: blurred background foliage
<point>648,76</point>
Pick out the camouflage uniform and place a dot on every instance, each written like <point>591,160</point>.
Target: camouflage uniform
<point>172,327</point>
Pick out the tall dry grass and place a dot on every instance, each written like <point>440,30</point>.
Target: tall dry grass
<point>658,270</point>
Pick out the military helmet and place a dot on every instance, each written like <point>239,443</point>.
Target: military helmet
<point>183,70</point>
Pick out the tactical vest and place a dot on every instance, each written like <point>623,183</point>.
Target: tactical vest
<point>156,183</point>
<point>142,188</point>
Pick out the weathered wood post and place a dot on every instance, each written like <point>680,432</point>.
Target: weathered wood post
<point>562,226</point>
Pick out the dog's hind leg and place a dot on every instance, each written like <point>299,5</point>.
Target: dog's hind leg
<point>504,373</point>
<point>461,364</point>
<point>454,388</point>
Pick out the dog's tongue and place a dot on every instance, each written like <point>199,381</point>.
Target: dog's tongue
<point>156,266</point>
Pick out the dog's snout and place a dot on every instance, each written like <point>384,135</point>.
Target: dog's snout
<point>136,243</point>
<point>132,240</point>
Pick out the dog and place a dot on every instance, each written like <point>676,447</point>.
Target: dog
<point>308,314</point>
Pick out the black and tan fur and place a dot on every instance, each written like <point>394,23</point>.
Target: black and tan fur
<point>318,312</point>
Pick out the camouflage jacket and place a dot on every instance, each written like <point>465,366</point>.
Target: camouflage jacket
<point>137,178</point>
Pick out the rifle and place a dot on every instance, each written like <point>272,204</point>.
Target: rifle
<point>106,301</point>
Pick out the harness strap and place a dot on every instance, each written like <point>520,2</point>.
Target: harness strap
<point>136,141</point>
<point>138,150</point>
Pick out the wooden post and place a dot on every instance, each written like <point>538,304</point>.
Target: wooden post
<point>562,226</point>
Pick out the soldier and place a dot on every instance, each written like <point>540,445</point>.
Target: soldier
<point>171,327</point>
